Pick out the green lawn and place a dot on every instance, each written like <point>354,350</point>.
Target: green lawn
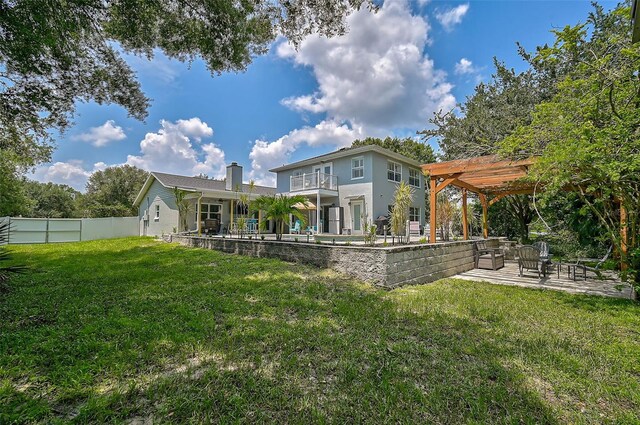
<point>131,329</point>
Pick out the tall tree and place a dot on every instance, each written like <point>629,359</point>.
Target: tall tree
<point>408,147</point>
<point>51,200</point>
<point>588,134</point>
<point>110,193</point>
<point>493,112</point>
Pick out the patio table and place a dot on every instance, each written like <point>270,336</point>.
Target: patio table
<point>572,269</point>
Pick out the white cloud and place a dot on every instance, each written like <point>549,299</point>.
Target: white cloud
<point>266,155</point>
<point>375,76</point>
<point>452,17</point>
<point>176,148</point>
<point>160,68</point>
<point>72,173</point>
<point>465,66</point>
<point>102,135</point>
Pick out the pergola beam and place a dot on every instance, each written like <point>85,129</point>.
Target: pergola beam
<point>447,182</point>
<point>480,163</point>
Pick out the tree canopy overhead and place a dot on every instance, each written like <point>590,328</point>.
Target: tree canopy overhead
<point>54,54</point>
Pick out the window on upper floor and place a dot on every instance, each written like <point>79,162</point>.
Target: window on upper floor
<point>357,168</point>
<point>414,214</point>
<point>394,171</point>
<point>414,177</point>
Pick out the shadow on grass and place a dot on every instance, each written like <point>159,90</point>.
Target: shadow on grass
<point>130,329</point>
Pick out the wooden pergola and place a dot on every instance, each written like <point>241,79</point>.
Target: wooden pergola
<point>484,175</point>
<point>487,176</point>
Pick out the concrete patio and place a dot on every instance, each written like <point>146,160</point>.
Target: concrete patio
<point>508,275</point>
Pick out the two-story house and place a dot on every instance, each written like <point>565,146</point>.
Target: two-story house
<point>352,185</point>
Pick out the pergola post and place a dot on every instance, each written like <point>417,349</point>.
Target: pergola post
<point>485,215</point>
<point>465,224</point>
<point>623,236</point>
<point>432,210</point>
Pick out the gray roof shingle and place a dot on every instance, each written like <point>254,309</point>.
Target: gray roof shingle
<point>198,183</point>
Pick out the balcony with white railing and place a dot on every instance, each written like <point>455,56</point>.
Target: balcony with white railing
<point>314,181</point>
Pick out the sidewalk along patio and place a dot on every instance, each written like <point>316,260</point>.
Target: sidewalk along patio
<point>610,286</point>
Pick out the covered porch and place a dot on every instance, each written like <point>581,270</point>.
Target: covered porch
<point>223,213</point>
<point>319,218</point>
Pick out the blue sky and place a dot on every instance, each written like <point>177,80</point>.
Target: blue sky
<point>385,77</point>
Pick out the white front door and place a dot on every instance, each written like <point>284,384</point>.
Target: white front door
<point>357,209</point>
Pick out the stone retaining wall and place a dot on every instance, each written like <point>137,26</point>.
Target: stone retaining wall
<point>389,266</point>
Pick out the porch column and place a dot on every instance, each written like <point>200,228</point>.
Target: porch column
<point>432,212</point>
<point>199,215</point>
<point>623,236</point>
<point>485,216</point>
<point>230,213</point>
<point>318,209</point>
<point>259,221</point>
<point>465,224</point>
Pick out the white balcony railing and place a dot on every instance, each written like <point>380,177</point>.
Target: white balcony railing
<point>314,181</point>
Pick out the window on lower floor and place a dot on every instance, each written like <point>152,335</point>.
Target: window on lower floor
<point>414,214</point>
<point>157,217</point>
<point>210,211</point>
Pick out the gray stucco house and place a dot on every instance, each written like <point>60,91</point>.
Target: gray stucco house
<point>219,200</point>
<point>352,185</point>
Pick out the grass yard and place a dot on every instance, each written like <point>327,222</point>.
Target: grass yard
<point>130,330</point>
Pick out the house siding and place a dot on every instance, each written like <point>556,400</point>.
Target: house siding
<point>377,190</point>
<point>164,197</point>
<point>384,189</point>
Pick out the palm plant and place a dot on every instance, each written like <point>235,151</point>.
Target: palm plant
<point>185,206</point>
<point>6,271</point>
<point>278,208</point>
<point>402,200</point>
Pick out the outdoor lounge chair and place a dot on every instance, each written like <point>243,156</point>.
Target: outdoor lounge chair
<point>581,264</point>
<point>488,258</point>
<point>529,259</point>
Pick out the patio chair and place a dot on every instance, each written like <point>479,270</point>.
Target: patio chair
<point>488,258</point>
<point>543,247</point>
<point>529,259</point>
<point>211,225</point>
<point>296,227</point>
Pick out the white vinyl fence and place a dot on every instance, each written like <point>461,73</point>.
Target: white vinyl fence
<point>54,230</point>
